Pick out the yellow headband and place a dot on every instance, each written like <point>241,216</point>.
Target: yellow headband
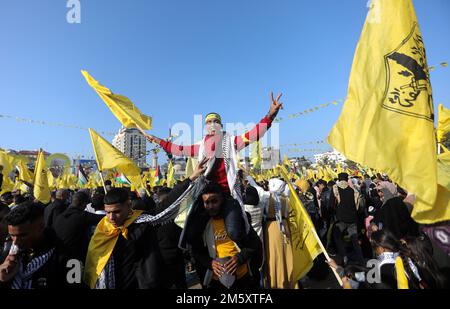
<point>213,116</point>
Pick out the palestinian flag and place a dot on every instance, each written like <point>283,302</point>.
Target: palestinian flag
<point>158,176</point>
<point>122,179</point>
<point>82,177</point>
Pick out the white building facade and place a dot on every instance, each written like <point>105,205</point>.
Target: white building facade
<point>132,143</point>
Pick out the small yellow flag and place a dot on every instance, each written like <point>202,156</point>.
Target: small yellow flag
<point>109,157</point>
<point>170,175</point>
<point>120,106</point>
<point>191,164</point>
<point>41,190</point>
<point>255,158</point>
<point>443,126</point>
<point>24,172</point>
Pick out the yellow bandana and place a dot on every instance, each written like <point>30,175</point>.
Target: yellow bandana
<point>213,116</point>
<point>102,245</point>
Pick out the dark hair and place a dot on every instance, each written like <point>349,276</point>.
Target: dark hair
<point>420,250</point>
<point>80,198</point>
<point>343,177</point>
<point>139,204</point>
<point>132,195</point>
<point>4,208</point>
<point>19,199</point>
<point>7,195</point>
<point>108,182</point>
<point>116,196</point>
<point>321,182</point>
<point>331,183</point>
<point>97,201</point>
<point>24,213</point>
<point>385,239</point>
<point>251,196</point>
<point>162,193</point>
<point>212,187</point>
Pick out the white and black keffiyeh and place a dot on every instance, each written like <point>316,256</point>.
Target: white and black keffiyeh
<point>107,279</point>
<point>23,278</point>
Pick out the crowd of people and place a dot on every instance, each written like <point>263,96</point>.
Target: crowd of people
<point>235,235</point>
<point>357,220</point>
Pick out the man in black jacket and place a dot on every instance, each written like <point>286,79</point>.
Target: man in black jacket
<point>168,235</point>
<point>59,205</point>
<point>135,260</point>
<point>73,226</point>
<point>346,202</point>
<point>216,251</point>
<point>36,259</point>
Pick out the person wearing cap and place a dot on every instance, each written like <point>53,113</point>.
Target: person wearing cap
<point>214,145</point>
<point>346,202</point>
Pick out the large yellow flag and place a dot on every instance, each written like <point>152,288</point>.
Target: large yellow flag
<point>443,126</point>
<point>120,106</point>
<point>109,157</point>
<point>387,120</point>
<point>41,190</point>
<point>170,175</point>
<point>305,245</point>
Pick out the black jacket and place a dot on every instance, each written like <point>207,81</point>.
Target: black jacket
<point>73,228</point>
<point>395,217</point>
<point>346,209</point>
<point>137,260</point>
<point>52,211</point>
<point>249,243</point>
<point>53,274</point>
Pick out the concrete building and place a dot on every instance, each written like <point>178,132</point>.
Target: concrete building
<point>270,157</point>
<point>333,156</point>
<point>132,143</point>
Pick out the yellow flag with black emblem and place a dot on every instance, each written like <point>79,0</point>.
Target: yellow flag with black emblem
<point>304,240</point>
<point>387,119</point>
<point>41,190</point>
<point>128,114</point>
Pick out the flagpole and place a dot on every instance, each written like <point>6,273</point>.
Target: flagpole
<point>338,278</point>
<point>103,181</point>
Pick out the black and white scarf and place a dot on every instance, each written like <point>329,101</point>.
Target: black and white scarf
<point>23,278</point>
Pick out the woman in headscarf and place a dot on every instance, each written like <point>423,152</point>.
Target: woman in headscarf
<point>278,245</point>
<point>393,214</point>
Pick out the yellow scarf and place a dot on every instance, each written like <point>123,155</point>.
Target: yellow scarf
<point>402,280</point>
<point>102,245</point>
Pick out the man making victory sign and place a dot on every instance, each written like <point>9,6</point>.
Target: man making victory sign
<point>221,148</point>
